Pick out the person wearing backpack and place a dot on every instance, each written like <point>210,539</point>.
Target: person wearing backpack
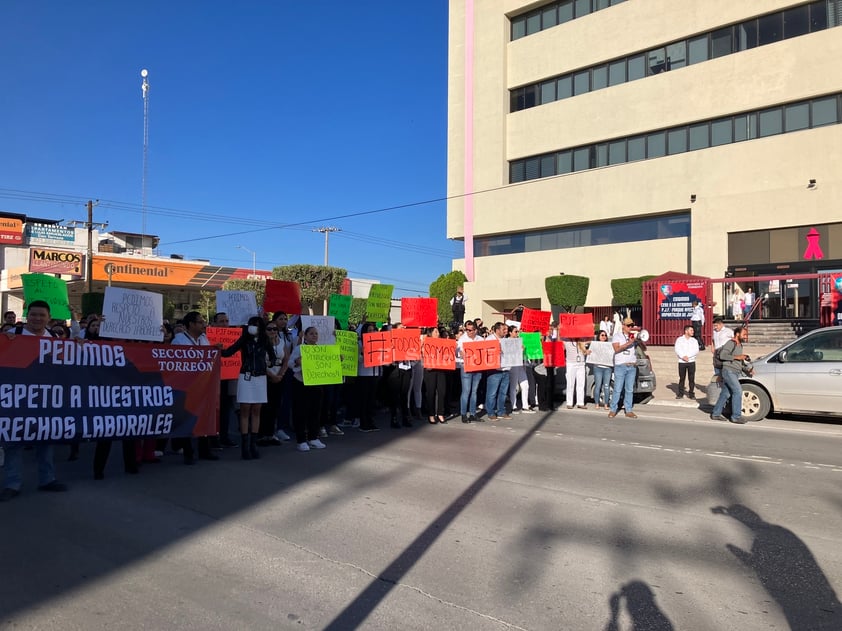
<point>732,357</point>
<point>721,334</point>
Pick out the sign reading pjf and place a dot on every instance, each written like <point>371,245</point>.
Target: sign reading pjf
<point>56,262</point>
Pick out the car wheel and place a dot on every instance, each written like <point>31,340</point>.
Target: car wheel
<point>756,404</point>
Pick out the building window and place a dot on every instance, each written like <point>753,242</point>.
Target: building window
<point>555,13</point>
<point>624,231</point>
<point>767,29</point>
<point>789,118</point>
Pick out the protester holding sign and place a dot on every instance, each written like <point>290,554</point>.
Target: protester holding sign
<point>274,387</point>
<point>193,335</point>
<point>435,385</point>
<point>470,379</point>
<point>368,378</point>
<point>257,354</point>
<point>575,355</point>
<point>37,318</point>
<point>308,403</point>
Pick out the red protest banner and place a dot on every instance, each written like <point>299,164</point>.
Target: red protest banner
<point>105,390</point>
<point>419,311</point>
<point>406,344</point>
<point>438,353</point>
<point>377,349</point>
<point>573,325</point>
<point>229,367</point>
<point>482,355</point>
<point>535,320</point>
<point>553,354</point>
<point>282,295</point>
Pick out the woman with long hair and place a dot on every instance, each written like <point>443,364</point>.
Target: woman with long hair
<point>257,354</point>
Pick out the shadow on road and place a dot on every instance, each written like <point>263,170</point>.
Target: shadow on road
<point>788,571</point>
<point>641,606</point>
<point>367,601</point>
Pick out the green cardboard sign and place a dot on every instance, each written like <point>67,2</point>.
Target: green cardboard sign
<point>379,303</point>
<point>340,308</point>
<point>320,364</point>
<point>51,290</point>
<point>532,345</point>
<point>349,350</point>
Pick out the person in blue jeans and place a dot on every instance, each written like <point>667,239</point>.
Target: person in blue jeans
<point>602,379</point>
<point>497,381</point>
<point>625,368</point>
<point>732,357</point>
<point>470,380</point>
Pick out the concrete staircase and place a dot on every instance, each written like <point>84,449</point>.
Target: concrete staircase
<point>775,333</point>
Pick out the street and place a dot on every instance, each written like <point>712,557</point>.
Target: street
<point>561,521</point>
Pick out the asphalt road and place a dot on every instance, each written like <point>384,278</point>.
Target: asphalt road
<point>561,521</point>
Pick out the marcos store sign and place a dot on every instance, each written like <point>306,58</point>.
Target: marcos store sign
<point>56,262</point>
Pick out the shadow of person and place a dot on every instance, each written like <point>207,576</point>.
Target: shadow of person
<point>788,571</point>
<point>641,607</point>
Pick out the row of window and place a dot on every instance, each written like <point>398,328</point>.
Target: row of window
<point>666,142</point>
<point>767,29</point>
<point>624,231</point>
<point>554,14</point>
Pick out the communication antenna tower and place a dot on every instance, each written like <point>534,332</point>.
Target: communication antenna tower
<point>144,87</point>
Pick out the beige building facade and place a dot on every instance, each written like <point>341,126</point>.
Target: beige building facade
<point>616,139</point>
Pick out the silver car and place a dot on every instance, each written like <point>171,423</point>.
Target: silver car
<point>801,377</point>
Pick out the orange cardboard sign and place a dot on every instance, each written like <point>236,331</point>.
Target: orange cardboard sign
<point>482,355</point>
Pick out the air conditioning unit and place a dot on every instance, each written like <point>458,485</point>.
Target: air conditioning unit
<point>186,307</point>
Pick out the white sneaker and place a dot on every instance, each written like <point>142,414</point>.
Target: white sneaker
<point>356,423</point>
<point>317,444</point>
<point>322,433</point>
<point>528,411</point>
<point>159,454</point>
<point>303,447</point>
<point>282,435</point>
<point>335,431</point>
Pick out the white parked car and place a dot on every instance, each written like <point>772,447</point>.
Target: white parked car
<point>801,377</point>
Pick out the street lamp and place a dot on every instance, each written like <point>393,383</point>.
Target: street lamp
<point>253,260</point>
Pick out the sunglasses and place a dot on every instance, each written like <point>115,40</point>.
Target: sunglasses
<point>271,328</point>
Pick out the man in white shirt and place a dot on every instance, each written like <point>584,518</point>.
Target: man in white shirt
<point>687,349</point>
<point>625,369</point>
<point>697,319</point>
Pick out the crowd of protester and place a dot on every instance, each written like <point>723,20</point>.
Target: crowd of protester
<point>269,404</point>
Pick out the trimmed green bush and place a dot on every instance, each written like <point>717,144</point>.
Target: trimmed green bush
<point>444,288</point>
<point>566,290</point>
<point>628,291</point>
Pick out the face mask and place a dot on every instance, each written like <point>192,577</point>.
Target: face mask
<point>252,330</point>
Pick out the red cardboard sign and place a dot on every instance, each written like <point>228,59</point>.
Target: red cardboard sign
<point>482,355</point>
<point>406,344</point>
<point>419,311</point>
<point>575,325</point>
<point>229,367</point>
<point>438,353</point>
<point>282,295</point>
<point>377,349</point>
<point>553,354</point>
<point>535,320</point>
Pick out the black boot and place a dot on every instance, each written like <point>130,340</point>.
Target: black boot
<point>253,447</point>
<point>245,451</point>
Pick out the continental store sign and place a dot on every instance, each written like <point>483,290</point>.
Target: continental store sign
<point>11,231</point>
<point>56,262</point>
<point>165,272</point>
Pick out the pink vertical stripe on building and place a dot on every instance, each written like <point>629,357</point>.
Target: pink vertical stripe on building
<point>468,190</point>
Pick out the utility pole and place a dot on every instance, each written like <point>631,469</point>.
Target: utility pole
<point>327,230</point>
<point>89,224</point>
<point>144,87</point>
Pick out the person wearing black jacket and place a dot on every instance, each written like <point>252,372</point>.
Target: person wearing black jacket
<point>257,354</point>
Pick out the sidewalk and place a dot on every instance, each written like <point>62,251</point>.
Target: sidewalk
<point>665,365</point>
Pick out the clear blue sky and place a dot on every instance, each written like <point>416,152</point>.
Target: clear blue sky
<point>261,114</point>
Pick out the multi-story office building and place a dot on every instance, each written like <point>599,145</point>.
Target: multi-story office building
<point>619,138</point>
